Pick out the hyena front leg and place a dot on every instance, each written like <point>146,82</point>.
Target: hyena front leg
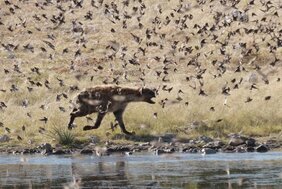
<point>97,123</point>
<point>118,114</point>
<point>75,113</point>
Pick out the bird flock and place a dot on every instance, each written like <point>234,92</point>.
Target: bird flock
<point>189,50</point>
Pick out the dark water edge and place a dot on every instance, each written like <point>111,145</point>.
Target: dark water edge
<point>221,170</point>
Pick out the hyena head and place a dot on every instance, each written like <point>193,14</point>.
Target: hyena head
<point>147,95</point>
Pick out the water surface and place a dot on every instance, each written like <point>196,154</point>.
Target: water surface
<point>221,170</point>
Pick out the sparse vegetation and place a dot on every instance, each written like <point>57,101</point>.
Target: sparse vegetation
<point>62,136</point>
<point>39,80</point>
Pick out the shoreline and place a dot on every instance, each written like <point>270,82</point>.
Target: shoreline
<point>166,144</point>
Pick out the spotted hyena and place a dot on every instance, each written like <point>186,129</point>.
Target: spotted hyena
<point>104,99</point>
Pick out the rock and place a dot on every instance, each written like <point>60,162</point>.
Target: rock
<point>113,149</point>
<point>169,150</point>
<point>30,142</point>
<point>128,153</point>
<point>190,150</point>
<point>241,149</point>
<point>46,149</point>
<point>262,148</point>
<point>253,78</point>
<point>181,140</point>
<point>86,151</point>
<point>101,151</point>
<point>144,144</point>
<point>250,142</point>
<point>58,152</point>
<point>193,150</point>
<point>167,137</point>
<point>229,149</point>
<point>44,152</point>
<point>236,141</point>
<point>4,138</point>
<point>273,143</point>
<point>208,151</point>
<point>27,151</point>
<point>95,139</point>
<point>140,148</point>
<point>250,149</point>
<point>214,145</point>
<point>240,16</point>
<point>204,139</point>
<point>227,20</point>
<point>15,152</point>
<point>159,151</point>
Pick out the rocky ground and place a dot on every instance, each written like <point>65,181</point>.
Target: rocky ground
<point>165,144</point>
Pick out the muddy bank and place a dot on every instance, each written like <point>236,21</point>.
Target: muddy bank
<point>164,144</point>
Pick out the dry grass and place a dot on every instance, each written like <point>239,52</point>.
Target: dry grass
<point>257,118</point>
<point>62,136</point>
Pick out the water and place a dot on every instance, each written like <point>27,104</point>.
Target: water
<point>221,170</point>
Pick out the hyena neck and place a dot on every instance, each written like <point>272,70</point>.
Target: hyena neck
<point>131,95</point>
<point>133,98</point>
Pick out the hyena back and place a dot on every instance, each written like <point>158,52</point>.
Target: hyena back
<point>104,99</point>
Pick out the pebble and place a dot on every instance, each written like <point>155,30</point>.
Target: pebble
<point>58,152</point>
<point>86,151</point>
<point>206,151</point>
<point>4,138</point>
<point>236,141</point>
<point>250,142</point>
<point>214,145</point>
<point>262,148</point>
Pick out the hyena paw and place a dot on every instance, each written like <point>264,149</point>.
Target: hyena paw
<point>87,127</point>
<point>70,127</point>
<point>129,133</point>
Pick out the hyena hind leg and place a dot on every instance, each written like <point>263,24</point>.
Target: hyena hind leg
<point>97,123</point>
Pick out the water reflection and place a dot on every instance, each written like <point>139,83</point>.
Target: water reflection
<point>230,171</point>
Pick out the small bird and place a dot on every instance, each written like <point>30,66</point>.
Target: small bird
<point>219,120</point>
<point>155,115</point>
<point>8,130</point>
<point>249,99</point>
<point>3,105</point>
<point>202,93</point>
<point>113,126</point>
<point>44,119</point>
<point>62,109</point>
<point>225,102</point>
<point>89,119</point>
<point>253,86</point>
<point>28,114</point>
<point>41,130</point>
<point>267,98</point>
<point>42,107</point>
<point>179,98</point>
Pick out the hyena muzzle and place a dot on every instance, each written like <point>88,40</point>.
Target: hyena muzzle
<point>104,99</point>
